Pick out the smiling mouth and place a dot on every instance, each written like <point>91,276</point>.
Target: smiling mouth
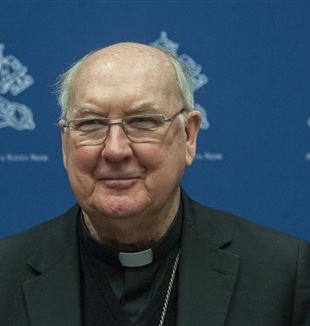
<point>120,183</point>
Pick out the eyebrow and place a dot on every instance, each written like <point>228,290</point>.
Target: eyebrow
<point>144,108</point>
<point>148,107</point>
<point>84,111</point>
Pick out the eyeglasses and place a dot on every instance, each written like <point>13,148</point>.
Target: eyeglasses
<point>138,128</point>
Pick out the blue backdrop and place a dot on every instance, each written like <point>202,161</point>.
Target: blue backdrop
<point>251,64</point>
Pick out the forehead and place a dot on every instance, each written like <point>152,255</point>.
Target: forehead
<point>135,57</point>
<point>125,76</point>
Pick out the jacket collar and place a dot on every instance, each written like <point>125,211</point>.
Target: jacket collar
<point>207,273</point>
<point>53,293</point>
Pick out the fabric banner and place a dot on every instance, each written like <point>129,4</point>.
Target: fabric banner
<point>249,64</point>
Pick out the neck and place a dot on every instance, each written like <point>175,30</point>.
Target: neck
<point>134,234</point>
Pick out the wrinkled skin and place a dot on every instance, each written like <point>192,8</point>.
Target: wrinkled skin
<point>129,192</point>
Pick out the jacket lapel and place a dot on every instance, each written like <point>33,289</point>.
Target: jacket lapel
<point>207,273</point>
<point>53,294</point>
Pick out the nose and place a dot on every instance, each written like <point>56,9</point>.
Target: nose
<point>117,146</point>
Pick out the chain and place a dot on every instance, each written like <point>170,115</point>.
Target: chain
<point>165,306</point>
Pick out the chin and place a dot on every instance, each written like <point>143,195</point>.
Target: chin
<point>121,208</point>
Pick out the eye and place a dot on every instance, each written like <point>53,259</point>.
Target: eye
<point>144,122</point>
<point>88,125</point>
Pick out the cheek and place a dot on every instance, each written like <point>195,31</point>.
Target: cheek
<point>150,156</point>
<point>84,158</point>
<point>162,161</point>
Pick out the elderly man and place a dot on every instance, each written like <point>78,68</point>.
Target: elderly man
<point>136,250</point>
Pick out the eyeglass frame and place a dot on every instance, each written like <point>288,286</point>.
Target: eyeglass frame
<point>120,121</point>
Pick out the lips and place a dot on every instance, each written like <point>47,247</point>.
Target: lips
<point>120,182</point>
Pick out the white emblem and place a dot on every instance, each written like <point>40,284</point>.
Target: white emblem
<point>15,115</point>
<point>198,79</point>
<point>308,122</point>
<point>14,80</point>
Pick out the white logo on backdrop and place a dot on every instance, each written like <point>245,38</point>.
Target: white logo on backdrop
<point>308,122</point>
<point>14,80</point>
<point>197,78</point>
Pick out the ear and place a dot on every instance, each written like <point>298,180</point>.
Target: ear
<point>64,140</point>
<point>191,130</point>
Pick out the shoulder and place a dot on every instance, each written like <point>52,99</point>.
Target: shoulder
<point>21,246</point>
<point>245,237</point>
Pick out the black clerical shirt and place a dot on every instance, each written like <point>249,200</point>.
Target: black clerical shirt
<point>113,294</point>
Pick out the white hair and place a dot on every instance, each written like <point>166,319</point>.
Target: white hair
<point>64,84</point>
<point>184,84</point>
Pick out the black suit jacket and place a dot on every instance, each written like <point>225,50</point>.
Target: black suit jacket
<point>232,272</point>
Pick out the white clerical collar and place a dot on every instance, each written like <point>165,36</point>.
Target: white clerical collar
<point>136,259</point>
<point>158,251</point>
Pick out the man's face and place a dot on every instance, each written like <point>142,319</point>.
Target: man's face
<point>121,179</point>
